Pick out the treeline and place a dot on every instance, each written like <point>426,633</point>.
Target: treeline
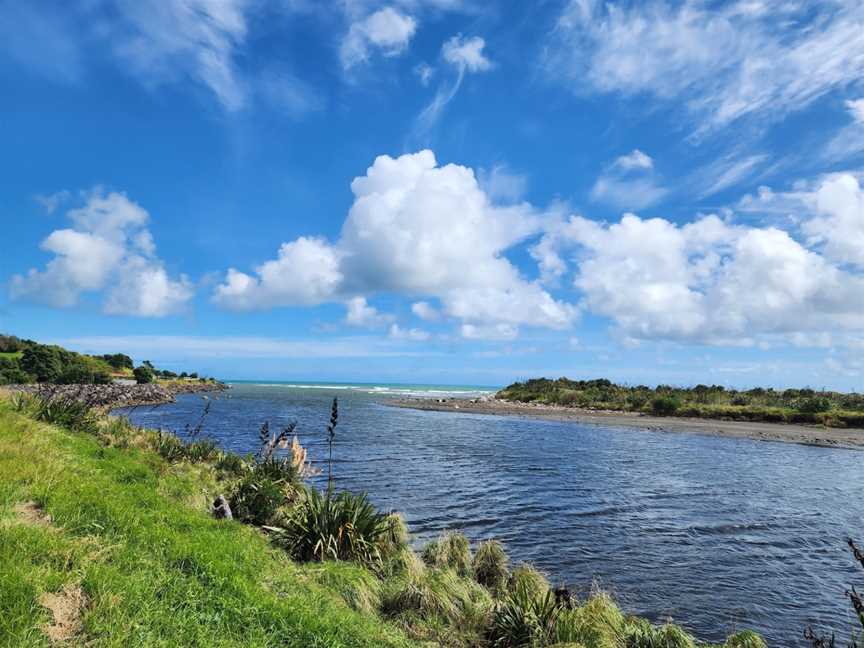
<point>702,401</point>
<point>25,361</point>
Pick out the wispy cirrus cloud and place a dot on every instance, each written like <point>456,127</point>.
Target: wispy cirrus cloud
<point>742,59</point>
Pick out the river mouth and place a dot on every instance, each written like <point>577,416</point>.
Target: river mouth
<point>719,534</point>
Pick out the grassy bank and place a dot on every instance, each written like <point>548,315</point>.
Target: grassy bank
<point>832,409</point>
<point>107,539</point>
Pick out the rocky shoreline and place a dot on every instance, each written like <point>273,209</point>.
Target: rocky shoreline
<point>851,438</point>
<point>108,397</point>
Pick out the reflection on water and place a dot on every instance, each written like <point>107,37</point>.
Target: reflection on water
<point>718,534</point>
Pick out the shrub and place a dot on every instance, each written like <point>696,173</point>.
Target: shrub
<point>81,374</point>
<point>814,405</point>
<point>452,551</point>
<point>745,639</point>
<point>230,464</point>
<point>339,527</point>
<point>42,362</point>
<point>144,375</point>
<point>201,450</point>
<point>665,405</point>
<point>256,500</point>
<point>491,566</point>
<point>68,412</point>
<point>524,618</point>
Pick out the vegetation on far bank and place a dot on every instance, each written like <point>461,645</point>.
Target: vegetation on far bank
<point>116,522</point>
<point>833,409</point>
<point>25,362</point>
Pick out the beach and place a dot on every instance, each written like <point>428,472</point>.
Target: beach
<point>852,438</point>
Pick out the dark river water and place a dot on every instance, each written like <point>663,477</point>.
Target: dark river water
<point>717,534</point>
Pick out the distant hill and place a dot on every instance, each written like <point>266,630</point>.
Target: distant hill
<point>25,361</point>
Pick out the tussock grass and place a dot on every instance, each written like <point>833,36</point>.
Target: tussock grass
<point>528,577</point>
<point>451,551</point>
<point>490,566</point>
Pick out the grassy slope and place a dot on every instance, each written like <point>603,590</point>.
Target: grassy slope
<point>12,355</point>
<point>132,532</point>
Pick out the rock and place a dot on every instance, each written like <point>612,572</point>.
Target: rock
<point>221,508</point>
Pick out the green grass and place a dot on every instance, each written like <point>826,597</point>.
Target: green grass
<point>131,530</point>
<point>11,355</point>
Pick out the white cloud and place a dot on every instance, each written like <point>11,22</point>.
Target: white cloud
<point>416,229</point>
<point>501,184</point>
<point>849,141</point>
<point>724,62</point>
<point>425,311</point>
<point>50,202</point>
<point>387,30</point>
<point>629,183</point>
<point>360,313</point>
<point>636,159</point>
<point>708,281</point>
<point>413,334</point>
<point>466,53</point>
<point>424,72</point>
<point>726,172</point>
<point>305,272</point>
<point>856,109</point>
<point>168,40</point>
<point>109,247</point>
<point>174,346</point>
<point>489,332</point>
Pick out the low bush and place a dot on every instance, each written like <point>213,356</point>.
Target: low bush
<point>642,634</point>
<point>665,405</point>
<point>340,526</point>
<point>67,411</point>
<point>745,639</point>
<point>524,618</point>
<point>256,500</point>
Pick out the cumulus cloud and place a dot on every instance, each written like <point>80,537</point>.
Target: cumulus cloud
<point>417,229</point>
<point>629,183</point>
<point>305,272</point>
<point>413,334</point>
<point>360,313</point>
<point>108,247</point>
<point>466,53</point>
<point>386,30</point>
<point>712,281</point>
<point>742,59</point>
<point>425,311</point>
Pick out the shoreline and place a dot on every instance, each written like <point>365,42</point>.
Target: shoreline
<point>812,435</point>
<point>109,397</point>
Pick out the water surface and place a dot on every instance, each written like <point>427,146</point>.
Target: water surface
<point>718,534</point>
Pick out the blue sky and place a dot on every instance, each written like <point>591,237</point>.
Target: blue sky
<point>442,191</point>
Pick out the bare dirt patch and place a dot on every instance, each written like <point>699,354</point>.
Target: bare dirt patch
<point>66,608</point>
<point>32,513</point>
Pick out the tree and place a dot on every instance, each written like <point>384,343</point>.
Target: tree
<point>42,362</point>
<point>118,360</point>
<point>143,375</point>
<point>81,374</point>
